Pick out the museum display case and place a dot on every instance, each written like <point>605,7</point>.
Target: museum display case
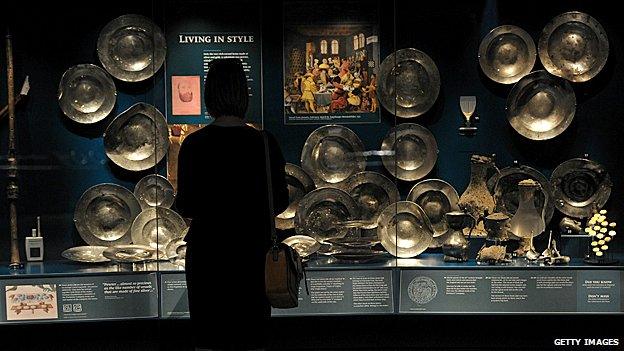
<point>445,160</point>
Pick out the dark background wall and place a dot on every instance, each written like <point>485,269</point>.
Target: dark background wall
<point>66,159</point>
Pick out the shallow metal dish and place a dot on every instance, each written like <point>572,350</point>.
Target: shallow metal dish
<point>574,46</point>
<point>176,249</point>
<point>138,138</point>
<point>86,93</point>
<point>299,184</point>
<point>156,227</point>
<point>506,191</point>
<point>413,151</point>
<point>321,213</point>
<point>409,83</point>
<point>580,187</point>
<point>506,54</point>
<point>372,192</point>
<point>355,243</point>
<point>303,244</point>
<point>331,154</point>
<point>176,252</point>
<point>404,229</point>
<point>104,215</point>
<point>154,190</point>
<point>436,197</point>
<point>541,106</point>
<point>86,254</point>
<point>130,253</point>
<point>131,48</point>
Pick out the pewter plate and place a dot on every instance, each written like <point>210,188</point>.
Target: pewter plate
<point>355,242</point>
<point>409,83</point>
<point>154,190</point>
<point>580,187</point>
<point>506,54</point>
<point>299,184</point>
<point>138,138</point>
<point>86,254</point>
<point>104,215</point>
<point>176,249</point>
<point>412,149</point>
<point>541,106</point>
<point>331,154</point>
<point>404,229</point>
<point>436,197</point>
<point>372,192</point>
<point>574,46</point>
<point>506,191</point>
<point>130,253</point>
<point>156,227</point>
<point>86,93</point>
<point>321,212</point>
<point>303,244</point>
<point>131,48</point>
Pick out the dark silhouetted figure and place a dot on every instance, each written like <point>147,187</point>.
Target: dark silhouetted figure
<point>222,188</point>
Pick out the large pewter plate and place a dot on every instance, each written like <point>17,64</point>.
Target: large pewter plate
<point>156,227</point>
<point>86,254</point>
<point>331,154</point>
<point>541,106</point>
<point>581,187</point>
<point>86,93</point>
<point>372,192</point>
<point>506,191</point>
<point>404,229</point>
<point>138,138</point>
<point>131,48</point>
<point>506,54</point>
<point>414,151</point>
<point>104,215</point>
<point>154,190</point>
<point>321,214</point>
<point>299,183</point>
<point>574,46</point>
<point>409,83</point>
<point>436,197</point>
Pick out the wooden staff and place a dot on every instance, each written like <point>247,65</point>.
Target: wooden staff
<point>12,187</point>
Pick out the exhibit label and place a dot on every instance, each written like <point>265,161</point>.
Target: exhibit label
<point>196,35</point>
<point>173,296</point>
<point>79,298</point>
<point>510,291</point>
<point>344,292</point>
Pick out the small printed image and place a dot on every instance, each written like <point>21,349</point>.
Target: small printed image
<point>186,95</point>
<point>31,302</point>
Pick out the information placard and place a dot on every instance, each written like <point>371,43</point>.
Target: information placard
<point>196,35</point>
<point>79,298</point>
<point>509,291</point>
<point>173,296</point>
<point>344,292</point>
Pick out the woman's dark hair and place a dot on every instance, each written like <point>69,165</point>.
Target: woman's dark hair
<point>225,89</point>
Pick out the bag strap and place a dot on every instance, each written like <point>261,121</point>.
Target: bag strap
<point>267,162</point>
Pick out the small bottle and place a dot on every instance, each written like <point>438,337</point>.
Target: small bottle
<point>34,244</point>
